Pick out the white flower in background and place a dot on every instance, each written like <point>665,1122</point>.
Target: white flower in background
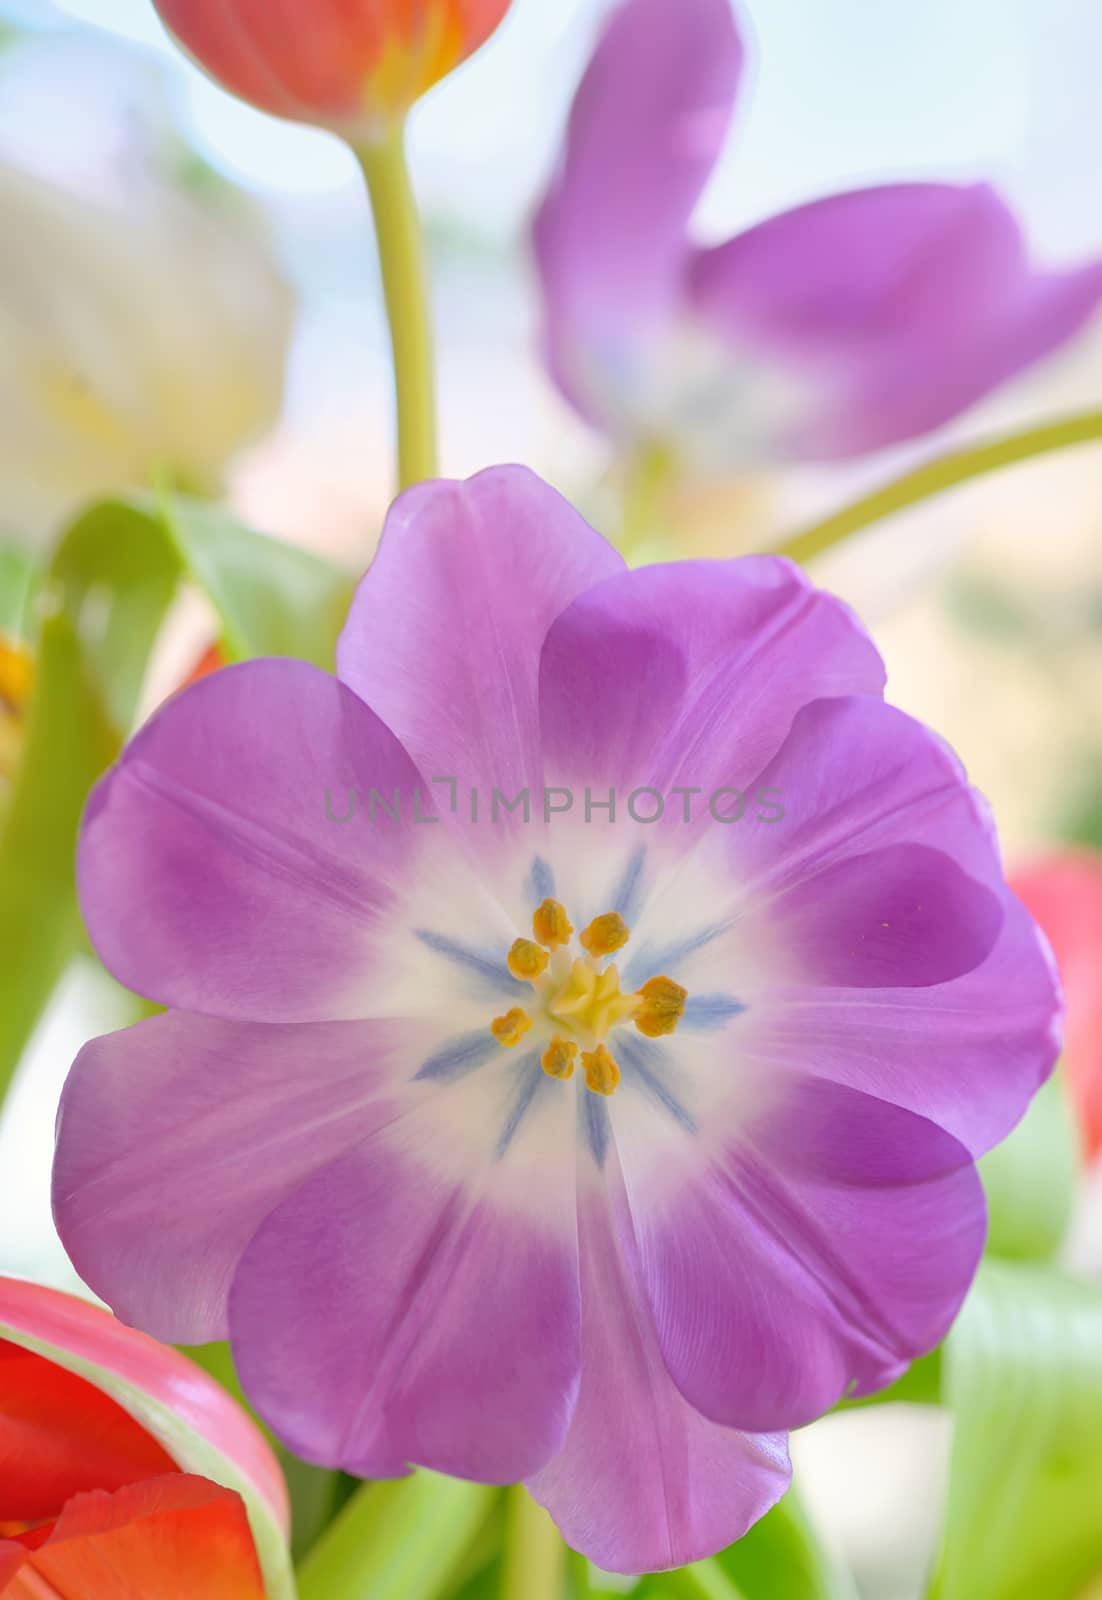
<point>144,327</point>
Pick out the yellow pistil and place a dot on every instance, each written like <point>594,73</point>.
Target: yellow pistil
<point>558,1059</point>
<point>601,1072</point>
<point>526,960</point>
<point>551,925</point>
<point>605,935</point>
<point>591,1002</point>
<point>511,1028</point>
<point>661,1007</point>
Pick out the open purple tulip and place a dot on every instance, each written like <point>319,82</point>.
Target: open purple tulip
<point>552,1142</point>
<point>829,331</point>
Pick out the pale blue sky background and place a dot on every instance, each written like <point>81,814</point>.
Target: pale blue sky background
<point>842,90</point>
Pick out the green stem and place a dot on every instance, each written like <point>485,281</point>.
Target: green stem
<point>706,1580</point>
<point>534,1562</point>
<point>934,477</point>
<point>577,1568</point>
<point>396,1541</point>
<point>405,289</point>
<point>703,1580</point>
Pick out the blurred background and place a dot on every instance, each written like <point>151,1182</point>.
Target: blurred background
<point>987,606</point>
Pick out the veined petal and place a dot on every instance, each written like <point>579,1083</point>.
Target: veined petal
<point>646,128</point>
<point>214,871</point>
<point>828,1244</point>
<point>644,1481</point>
<point>893,307</point>
<point>712,662</point>
<point>446,629</point>
<point>170,1538</point>
<point>857,775</point>
<point>395,1311</point>
<point>970,1053</point>
<point>177,1137</point>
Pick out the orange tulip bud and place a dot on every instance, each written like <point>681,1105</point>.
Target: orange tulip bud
<point>350,65</point>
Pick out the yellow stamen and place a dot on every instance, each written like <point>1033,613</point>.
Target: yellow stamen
<point>558,1059</point>
<point>551,925</point>
<point>601,1072</point>
<point>661,1007</point>
<point>605,935</point>
<point>527,960</point>
<point>511,1028</point>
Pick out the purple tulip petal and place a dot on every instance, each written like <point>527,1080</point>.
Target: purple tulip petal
<point>211,875</point>
<point>830,1244</point>
<point>857,775</point>
<point>178,1136</point>
<point>969,1054</point>
<point>646,129</point>
<point>849,879</point>
<point>446,628</point>
<point>692,673</point>
<point>892,308</point>
<point>902,915</point>
<point>643,1481</point>
<point>388,1315</point>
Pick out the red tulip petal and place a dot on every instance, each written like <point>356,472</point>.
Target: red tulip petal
<point>188,1420</point>
<point>171,1538</point>
<point>1064,893</point>
<point>60,1435</point>
<point>84,1337</point>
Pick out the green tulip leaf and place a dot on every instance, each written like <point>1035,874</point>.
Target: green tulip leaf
<point>100,608</point>
<point>97,615</point>
<point>1030,1180</point>
<point>781,1555</point>
<point>17,579</point>
<point>398,1541</point>
<point>272,598</point>
<point>1023,1377</point>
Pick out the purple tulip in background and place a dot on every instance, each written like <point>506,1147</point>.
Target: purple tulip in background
<point>591,1152</point>
<point>852,323</point>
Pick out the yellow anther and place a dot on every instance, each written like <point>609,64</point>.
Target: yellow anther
<point>551,925</point>
<point>511,1028</point>
<point>605,935</point>
<point>527,960</point>
<point>661,1007</point>
<point>558,1059</point>
<point>601,1072</point>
